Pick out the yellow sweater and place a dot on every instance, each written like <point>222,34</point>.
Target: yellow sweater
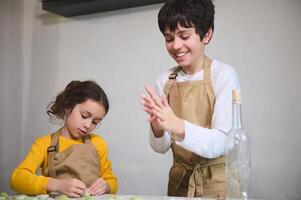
<point>25,180</point>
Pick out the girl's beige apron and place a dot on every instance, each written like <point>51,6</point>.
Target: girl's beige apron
<point>192,175</point>
<point>77,161</point>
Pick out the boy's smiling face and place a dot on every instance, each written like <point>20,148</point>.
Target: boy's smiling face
<point>185,46</point>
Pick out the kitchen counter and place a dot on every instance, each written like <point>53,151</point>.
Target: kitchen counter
<point>142,197</point>
<point>146,197</point>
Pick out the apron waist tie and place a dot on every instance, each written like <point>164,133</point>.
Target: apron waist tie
<point>196,182</point>
<point>195,186</point>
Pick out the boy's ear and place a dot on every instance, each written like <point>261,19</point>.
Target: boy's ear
<point>208,36</point>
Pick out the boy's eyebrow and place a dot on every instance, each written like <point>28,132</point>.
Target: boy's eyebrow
<point>184,31</point>
<point>180,31</point>
<point>166,34</point>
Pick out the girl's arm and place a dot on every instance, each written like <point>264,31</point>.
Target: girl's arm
<point>24,178</point>
<point>105,166</point>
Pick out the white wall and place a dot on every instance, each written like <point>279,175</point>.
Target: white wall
<point>123,50</point>
<point>11,14</point>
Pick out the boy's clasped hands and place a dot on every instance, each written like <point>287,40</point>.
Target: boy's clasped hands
<point>161,116</point>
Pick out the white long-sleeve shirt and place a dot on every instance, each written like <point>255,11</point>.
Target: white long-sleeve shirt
<point>208,143</point>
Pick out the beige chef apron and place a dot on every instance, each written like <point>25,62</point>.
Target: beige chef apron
<point>192,175</point>
<point>77,161</point>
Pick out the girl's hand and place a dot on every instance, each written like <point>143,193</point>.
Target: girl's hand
<point>70,187</point>
<point>98,187</point>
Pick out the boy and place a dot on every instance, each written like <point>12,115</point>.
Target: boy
<point>190,109</point>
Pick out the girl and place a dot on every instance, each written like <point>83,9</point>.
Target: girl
<point>73,160</point>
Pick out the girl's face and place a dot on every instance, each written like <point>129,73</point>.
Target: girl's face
<point>83,119</point>
<point>186,48</point>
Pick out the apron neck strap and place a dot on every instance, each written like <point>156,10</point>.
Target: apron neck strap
<point>51,150</point>
<point>54,145</point>
<point>171,80</point>
<point>207,71</point>
<point>86,139</point>
<point>172,77</point>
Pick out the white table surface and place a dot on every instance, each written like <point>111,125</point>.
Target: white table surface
<point>142,197</point>
<point>147,197</point>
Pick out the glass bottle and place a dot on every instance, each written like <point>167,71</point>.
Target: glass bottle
<point>238,166</point>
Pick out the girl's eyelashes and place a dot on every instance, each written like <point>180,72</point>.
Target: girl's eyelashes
<point>96,122</point>
<point>84,116</point>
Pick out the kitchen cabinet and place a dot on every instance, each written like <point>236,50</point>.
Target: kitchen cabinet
<point>69,8</point>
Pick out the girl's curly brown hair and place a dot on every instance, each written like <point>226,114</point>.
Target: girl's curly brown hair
<point>76,92</point>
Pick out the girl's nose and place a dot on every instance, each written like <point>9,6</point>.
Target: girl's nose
<point>88,124</point>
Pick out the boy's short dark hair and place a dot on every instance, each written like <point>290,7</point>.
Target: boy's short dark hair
<point>187,13</point>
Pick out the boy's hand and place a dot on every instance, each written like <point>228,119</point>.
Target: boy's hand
<point>148,105</point>
<point>71,187</point>
<point>98,187</point>
<point>162,115</point>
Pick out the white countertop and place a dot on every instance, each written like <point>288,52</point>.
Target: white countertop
<point>141,197</point>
